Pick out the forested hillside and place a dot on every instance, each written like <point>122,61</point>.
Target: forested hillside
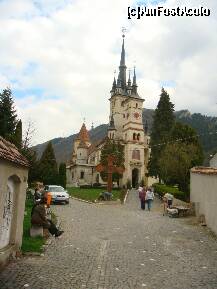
<point>205,126</point>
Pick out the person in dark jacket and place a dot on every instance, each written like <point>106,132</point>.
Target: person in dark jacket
<point>38,217</point>
<point>142,194</point>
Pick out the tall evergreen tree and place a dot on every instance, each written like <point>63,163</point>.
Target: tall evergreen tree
<point>48,166</point>
<point>163,122</point>
<point>17,137</point>
<point>62,175</point>
<point>8,116</point>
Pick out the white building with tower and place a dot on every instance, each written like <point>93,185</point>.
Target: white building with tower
<point>125,126</point>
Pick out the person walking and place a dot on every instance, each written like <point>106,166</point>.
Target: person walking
<point>142,194</point>
<point>149,198</point>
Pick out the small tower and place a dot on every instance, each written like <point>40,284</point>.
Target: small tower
<point>111,128</point>
<point>134,86</point>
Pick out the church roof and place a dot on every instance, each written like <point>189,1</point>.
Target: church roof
<point>83,134</point>
<point>9,152</point>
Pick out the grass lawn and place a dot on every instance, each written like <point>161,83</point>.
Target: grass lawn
<point>30,244</point>
<point>90,194</point>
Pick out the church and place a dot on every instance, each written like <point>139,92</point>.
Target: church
<point>125,126</point>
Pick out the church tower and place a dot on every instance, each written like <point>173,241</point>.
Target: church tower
<point>126,123</point>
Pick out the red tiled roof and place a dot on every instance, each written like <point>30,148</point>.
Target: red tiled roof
<point>9,152</point>
<point>204,170</point>
<point>83,134</point>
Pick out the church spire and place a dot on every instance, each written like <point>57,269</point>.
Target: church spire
<point>129,80</point>
<point>122,67</point>
<point>134,86</point>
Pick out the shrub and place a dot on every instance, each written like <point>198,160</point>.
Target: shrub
<point>161,189</point>
<point>142,183</point>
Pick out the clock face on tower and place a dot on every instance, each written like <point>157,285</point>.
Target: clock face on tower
<point>136,115</point>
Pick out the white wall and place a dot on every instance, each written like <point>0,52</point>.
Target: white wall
<point>19,175</point>
<point>204,195</point>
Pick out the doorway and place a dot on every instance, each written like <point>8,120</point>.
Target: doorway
<point>135,177</point>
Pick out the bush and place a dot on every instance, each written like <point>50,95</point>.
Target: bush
<point>142,183</point>
<point>161,189</point>
<point>97,185</point>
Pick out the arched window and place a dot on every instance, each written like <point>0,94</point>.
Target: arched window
<point>125,136</point>
<point>136,105</point>
<point>136,154</point>
<point>113,135</point>
<point>123,115</point>
<point>138,136</point>
<point>134,136</point>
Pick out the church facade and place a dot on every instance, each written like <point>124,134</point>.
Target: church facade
<point>125,126</point>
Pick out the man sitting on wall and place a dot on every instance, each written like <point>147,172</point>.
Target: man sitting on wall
<point>38,218</point>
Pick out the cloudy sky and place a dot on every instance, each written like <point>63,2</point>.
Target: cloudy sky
<point>59,57</point>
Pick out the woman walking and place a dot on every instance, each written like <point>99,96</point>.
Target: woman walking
<point>142,196</point>
<point>149,198</point>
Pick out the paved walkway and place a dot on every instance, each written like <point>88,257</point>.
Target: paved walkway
<point>119,247</point>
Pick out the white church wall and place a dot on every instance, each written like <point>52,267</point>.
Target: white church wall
<point>12,204</point>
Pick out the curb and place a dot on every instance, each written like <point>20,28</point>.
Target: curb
<point>125,198</point>
<point>81,200</point>
<point>96,203</point>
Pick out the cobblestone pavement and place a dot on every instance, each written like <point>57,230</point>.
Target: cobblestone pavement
<point>119,247</point>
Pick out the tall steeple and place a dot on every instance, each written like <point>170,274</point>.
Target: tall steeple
<point>122,67</point>
<point>134,86</point>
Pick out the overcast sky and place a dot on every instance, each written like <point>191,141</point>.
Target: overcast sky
<point>59,58</point>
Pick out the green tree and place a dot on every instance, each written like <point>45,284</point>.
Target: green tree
<point>17,137</point>
<point>117,150</point>
<point>182,152</point>
<point>163,121</point>
<point>48,166</point>
<point>175,163</point>
<point>62,175</point>
<point>8,116</point>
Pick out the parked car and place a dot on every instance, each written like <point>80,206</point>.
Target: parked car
<point>58,194</point>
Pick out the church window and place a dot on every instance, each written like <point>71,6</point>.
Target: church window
<point>72,175</point>
<point>138,136</point>
<point>82,175</point>
<point>122,103</point>
<point>136,105</point>
<point>136,154</point>
<point>113,135</point>
<point>134,136</point>
<point>123,115</point>
<point>125,136</point>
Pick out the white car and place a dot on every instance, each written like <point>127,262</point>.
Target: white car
<point>58,194</point>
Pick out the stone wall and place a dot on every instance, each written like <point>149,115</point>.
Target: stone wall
<point>204,194</point>
<point>12,206</point>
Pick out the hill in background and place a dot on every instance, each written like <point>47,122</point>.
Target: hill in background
<point>205,126</point>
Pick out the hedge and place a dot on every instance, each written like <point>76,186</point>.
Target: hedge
<point>161,189</point>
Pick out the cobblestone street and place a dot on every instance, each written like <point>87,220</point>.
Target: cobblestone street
<point>119,247</point>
